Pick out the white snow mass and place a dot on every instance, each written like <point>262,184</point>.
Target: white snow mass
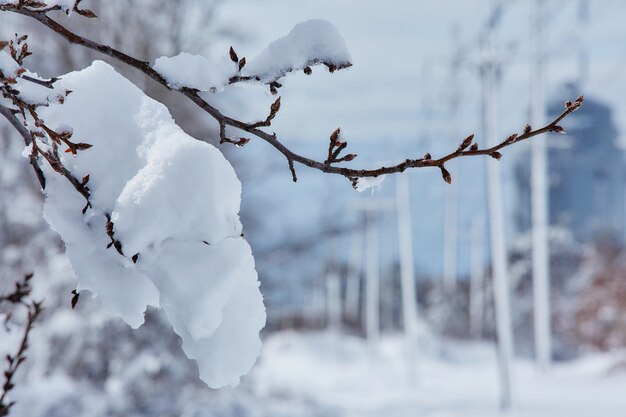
<point>195,71</point>
<point>365,183</point>
<point>174,201</point>
<point>8,66</point>
<point>65,5</point>
<point>308,43</point>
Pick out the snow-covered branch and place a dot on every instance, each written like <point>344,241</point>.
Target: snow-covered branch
<point>131,183</point>
<point>309,43</point>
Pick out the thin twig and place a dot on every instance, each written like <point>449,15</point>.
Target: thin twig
<point>17,298</point>
<point>46,83</point>
<point>9,114</point>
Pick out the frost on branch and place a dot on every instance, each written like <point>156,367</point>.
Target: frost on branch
<point>173,204</point>
<point>309,43</point>
<point>365,183</point>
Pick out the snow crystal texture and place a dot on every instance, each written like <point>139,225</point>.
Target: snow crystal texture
<point>174,201</point>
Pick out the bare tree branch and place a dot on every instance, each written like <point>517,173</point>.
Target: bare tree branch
<point>21,291</point>
<point>14,361</point>
<point>10,116</point>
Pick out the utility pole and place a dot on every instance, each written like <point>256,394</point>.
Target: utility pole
<point>372,283</point>
<point>333,300</point>
<point>539,204</point>
<point>407,273</point>
<point>372,207</point>
<point>504,326</point>
<point>353,277</point>
<point>477,272</point>
<point>450,226</point>
<point>583,61</point>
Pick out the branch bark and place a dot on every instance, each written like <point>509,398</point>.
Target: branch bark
<point>14,121</point>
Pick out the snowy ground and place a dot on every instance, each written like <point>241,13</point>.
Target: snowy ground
<point>339,374</point>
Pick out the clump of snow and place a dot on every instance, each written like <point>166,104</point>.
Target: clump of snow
<point>174,201</point>
<point>30,92</point>
<point>194,71</point>
<point>36,94</point>
<point>8,66</point>
<point>65,5</point>
<point>308,43</point>
<point>365,183</point>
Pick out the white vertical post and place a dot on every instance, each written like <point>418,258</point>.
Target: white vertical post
<point>504,326</point>
<point>372,292</point>
<point>407,273</point>
<point>333,301</point>
<point>581,28</point>
<point>539,206</point>
<point>450,230</point>
<point>476,278</point>
<point>450,226</point>
<point>353,277</point>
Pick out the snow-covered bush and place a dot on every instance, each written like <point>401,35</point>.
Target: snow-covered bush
<point>601,307</point>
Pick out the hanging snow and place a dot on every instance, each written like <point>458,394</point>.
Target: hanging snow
<point>173,201</point>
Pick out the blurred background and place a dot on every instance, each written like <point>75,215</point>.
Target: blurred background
<point>381,302</point>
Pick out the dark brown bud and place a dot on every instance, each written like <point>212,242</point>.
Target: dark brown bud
<point>74,298</point>
<point>82,146</point>
<point>275,107</point>
<point>446,175</point>
<point>466,142</point>
<point>233,55</point>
